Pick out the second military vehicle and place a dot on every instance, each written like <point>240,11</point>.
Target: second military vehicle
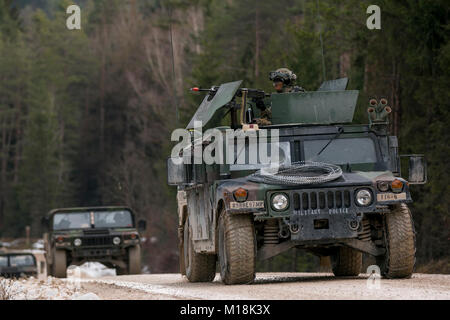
<point>17,265</point>
<point>104,234</point>
<point>336,190</point>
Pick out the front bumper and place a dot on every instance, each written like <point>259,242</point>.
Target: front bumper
<point>105,251</point>
<point>99,252</point>
<point>324,226</point>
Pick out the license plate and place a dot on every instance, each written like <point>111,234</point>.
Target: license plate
<point>247,205</point>
<point>391,196</point>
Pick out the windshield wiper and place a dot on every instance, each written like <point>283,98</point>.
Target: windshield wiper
<point>340,131</point>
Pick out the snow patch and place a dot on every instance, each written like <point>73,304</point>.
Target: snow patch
<point>89,270</point>
<point>38,244</point>
<point>33,289</point>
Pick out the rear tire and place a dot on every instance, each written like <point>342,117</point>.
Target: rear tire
<point>59,265</point>
<point>399,260</point>
<point>198,267</point>
<point>346,262</point>
<point>134,260</point>
<point>237,250</point>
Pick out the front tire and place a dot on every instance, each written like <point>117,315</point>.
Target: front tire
<point>198,267</point>
<point>237,250</point>
<point>134,260</point>
<point>59,265</point>
<point>399,260</point>
<point>121,271</point>
<point>346,262</point>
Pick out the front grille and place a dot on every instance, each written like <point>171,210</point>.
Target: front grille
<point>97,241</point>
<point>312,200</point>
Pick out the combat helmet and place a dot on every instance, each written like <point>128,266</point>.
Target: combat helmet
<point>284,75</point>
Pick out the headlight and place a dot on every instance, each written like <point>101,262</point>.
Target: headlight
<point>280,202</point>
<point>77,242</point>
<point>116,240</point>
<point>363,197</point>
<point>383,186</point>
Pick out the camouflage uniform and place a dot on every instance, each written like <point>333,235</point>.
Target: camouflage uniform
<point>265,118</point>
<point>292,89</point>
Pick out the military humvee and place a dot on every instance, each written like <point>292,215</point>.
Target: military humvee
<point>104,234</point>
<point>17,265</point>
<point>336,191</point>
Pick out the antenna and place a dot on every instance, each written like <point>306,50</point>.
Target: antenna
<point>321,41</point>
<point>173,68</point>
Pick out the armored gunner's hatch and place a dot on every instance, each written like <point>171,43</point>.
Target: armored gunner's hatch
<point>331,103</point>
<point>211,111</point>
<point>317,107</point>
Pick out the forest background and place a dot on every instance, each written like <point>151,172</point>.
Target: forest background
<point>86,115</point>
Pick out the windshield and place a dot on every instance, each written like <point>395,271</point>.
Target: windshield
<point>73,220</point>
<point>3,261</point>
<point>341,151</point>
<point>98,219</point>
<point>21,260</point>
<point>113,219</point>
<point>247,157</point>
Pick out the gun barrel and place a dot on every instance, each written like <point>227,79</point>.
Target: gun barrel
<point>197,89</point>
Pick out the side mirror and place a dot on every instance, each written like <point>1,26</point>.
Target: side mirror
<point>142,225</point>
<point>175,171</point>
<point>45,222</point>
<point>417,168</point>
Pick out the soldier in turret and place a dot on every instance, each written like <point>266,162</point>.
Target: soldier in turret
<point>283,81</point>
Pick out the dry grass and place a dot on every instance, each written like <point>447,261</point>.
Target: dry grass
<point>5,289</point>
<point>441,266</point>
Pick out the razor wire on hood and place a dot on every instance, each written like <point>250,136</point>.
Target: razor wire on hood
<point>298,173</point>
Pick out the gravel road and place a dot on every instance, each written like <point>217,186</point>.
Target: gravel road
<point>277,286</point>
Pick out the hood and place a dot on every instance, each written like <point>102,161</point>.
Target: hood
<point>356,178</point>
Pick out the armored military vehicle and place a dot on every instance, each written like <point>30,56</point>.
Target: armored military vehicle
<point>335,190</point>
<point>104,234</point>
<point>17,265</point>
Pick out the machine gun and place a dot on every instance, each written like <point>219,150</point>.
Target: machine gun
<point>257,96</point>
<point>254,94</point>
